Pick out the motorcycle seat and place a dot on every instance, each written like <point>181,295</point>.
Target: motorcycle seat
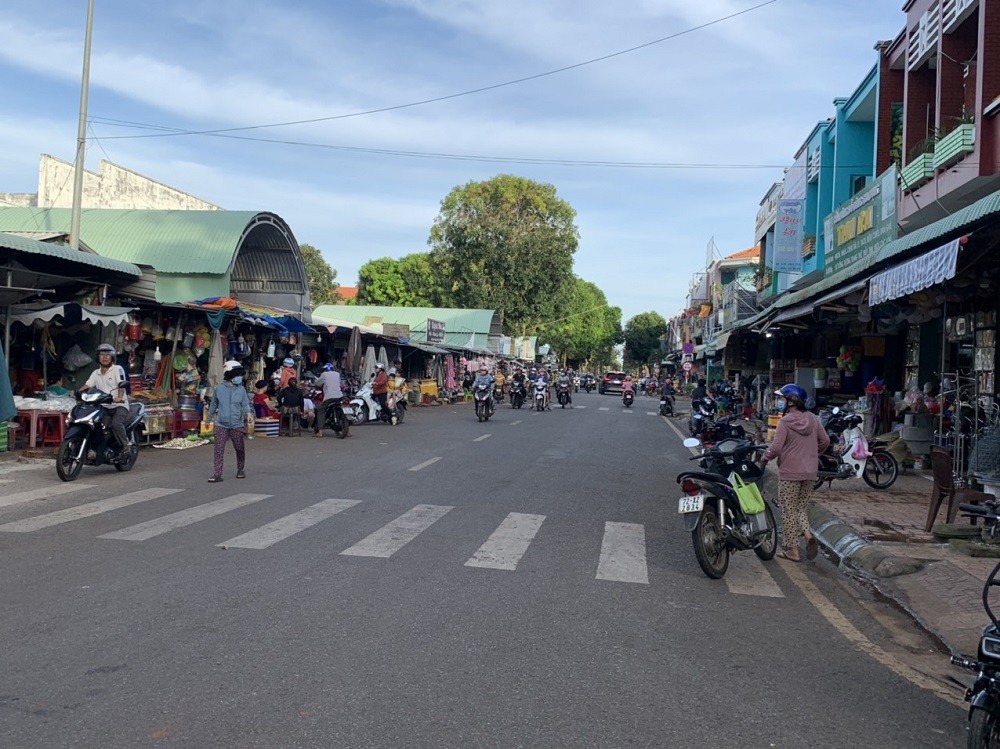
<point>715,478</point>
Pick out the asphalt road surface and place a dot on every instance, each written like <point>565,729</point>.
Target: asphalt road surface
<point>443,583</point>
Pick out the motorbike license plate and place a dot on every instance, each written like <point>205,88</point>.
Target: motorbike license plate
<point>691,504</point>
<point>348,411</point>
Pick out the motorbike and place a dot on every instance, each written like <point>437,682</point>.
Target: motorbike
<point>651,388</point>
<point>365,408</point>
<point>539,395</point>
<point>483,396</point>
<point>576,384</point>
<point>628,398</point>
<point>587,383</point>
<point>498,394</point>
<point>667,402</point>
<point>517,394</point>
<point>562,393</point>
<point>703,412</point>
<point>984,695</point>
<point>850,455</point>
<point>713,513</point>
<point>88,440</point>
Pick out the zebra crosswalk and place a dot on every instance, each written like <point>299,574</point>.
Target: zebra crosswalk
<point>622,557</point>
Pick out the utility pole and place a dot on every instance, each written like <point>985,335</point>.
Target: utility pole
<point>81,136</point>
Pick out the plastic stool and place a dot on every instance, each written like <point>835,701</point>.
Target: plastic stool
<point>294,416</point>
<point>51,428</point>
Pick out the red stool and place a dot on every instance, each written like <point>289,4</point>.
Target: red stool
<point>51,428</point>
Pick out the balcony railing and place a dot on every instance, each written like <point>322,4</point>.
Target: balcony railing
<point>954,12</point>
<point>954,146</point>
<point>921,41</point>
<point>917,171</point>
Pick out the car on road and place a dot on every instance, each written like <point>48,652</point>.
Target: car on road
<point>611,383</point>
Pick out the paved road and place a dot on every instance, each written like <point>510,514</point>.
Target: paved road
<point>523,582</point>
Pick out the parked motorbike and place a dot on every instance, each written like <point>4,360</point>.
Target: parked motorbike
<point>517,394</point>
<point>364,405</point>
<point>984,695</point>
<point>540,388</point>
<point>628,398</point>
<point>667,401</point>
<point>703,412</point>
<point>850,454</point>
<point>88,441</point>
<point>483,396</point>
<point>713,513</point>
<point>562,393</point>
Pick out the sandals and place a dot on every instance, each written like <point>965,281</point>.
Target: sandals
<point>784,555</point>
<point>812,548</point>
<point>215,480</point>
<point>240,475</point>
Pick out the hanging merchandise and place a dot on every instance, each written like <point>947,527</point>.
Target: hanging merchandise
<point>313,356</point>
<point>188,341</point>
<point>156,354</point>
<point>133,328</point>
<point>270,349</point>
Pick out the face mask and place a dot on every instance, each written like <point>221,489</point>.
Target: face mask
<point>238,380</point>
<point>780,404</point>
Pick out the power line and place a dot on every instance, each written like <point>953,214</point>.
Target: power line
<point>436,99</point>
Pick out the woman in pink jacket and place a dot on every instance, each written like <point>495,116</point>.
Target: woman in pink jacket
<point>798,442</point>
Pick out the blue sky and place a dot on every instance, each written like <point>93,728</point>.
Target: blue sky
<point>746,91</point>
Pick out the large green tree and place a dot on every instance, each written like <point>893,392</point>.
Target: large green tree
<point>322,277</point>
<point>642,338</point>
<point>407,282</point>
<point>506,244</point>
<point>588,327</point>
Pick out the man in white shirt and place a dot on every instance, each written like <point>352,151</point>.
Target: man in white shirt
<point>329,383</point>
<point>110,378</point>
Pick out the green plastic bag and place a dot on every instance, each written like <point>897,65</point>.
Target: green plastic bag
<point>751,500</point>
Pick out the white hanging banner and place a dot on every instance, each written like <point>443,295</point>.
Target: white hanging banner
<point>914,275</point>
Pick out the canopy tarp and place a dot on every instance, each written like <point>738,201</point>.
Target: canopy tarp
<point>29,314</point>
<point>8,410</point>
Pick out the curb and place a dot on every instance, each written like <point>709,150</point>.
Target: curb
<point>854,550</point>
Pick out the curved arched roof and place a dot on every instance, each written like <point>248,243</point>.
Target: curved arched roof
<point>181,242</point>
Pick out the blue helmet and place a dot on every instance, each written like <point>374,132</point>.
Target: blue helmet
<point>327,367</point>
<point>794,393</point>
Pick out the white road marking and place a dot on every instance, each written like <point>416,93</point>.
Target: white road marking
<point>623,553</point>
<point>515,423</point>
<point>421,466</point>
<point>580,407</point>
<point>44,493</point>
<point>627,411</point>
<point>282,528</point>
<point>603,408</point>
<point>84,511</point>
<point>747,576</point>
<point>483,437</point>
<point>651,413</point>
<point>159,526</point>
<point>507,544</point>
<point>393,536</point>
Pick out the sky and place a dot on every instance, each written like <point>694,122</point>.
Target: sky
<point>698,122</point>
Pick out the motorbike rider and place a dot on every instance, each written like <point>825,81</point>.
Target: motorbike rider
<point>543,377</point>
<point>566,381</point>
<point>501,380</point>
<point>110,378</point>
<point>483,379</point>
<point>333,390</point>
<point>380,391</point>
<point>627,386</point>
<point>396,391</point>
<point>701,391</point>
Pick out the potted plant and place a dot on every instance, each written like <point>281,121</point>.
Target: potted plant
<point>819,378</point>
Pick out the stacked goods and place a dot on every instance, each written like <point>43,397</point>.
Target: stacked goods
<point>266,427</point>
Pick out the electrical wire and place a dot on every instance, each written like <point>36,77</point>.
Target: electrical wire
<point>447,97</point>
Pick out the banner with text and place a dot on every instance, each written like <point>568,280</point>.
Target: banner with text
<point>788,230</point>
<point>862,224</point>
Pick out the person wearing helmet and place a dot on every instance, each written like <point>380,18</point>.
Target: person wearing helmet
<point>231,408</point>
<point>484,380</point>
<point>380,392</point>
<point>110,378</point>
<point>287,372</point>
<point>396,393</point>
<point>330,383</point>
<point>798,442</point>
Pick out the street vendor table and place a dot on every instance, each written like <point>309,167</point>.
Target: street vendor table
<point>30,419</point>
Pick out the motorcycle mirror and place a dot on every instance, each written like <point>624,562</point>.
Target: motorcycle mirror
<point>835,410</point>
<point>692,442</point>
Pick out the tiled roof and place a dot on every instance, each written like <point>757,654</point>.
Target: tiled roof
<point>347,292</point>
<point>747,254</point>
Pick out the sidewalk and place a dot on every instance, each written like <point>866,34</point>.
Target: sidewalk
<point>880,534</point>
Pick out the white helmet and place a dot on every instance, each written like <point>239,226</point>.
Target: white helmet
<point>230,365</point>
<point>379,365</point>
<point>392,370</point>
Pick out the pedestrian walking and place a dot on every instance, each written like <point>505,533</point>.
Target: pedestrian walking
<point>232,410</point>
<point>798,442</point>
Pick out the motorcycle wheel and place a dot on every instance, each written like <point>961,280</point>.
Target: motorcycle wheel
<point>479,410</point>
<point>127,465</point>
<point>984,731</point>
<point>769,548</point>
<point>818,483</point>
<point>709,548</point>
<point>342,427</point>
<point>361,417</point>
<point>67,466</point>
<point>881,470</point>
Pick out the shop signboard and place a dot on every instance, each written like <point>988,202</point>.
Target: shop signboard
<point>435,331</point>
<point>862,224</point>
<point>394,330</point>
<point>788,231</point>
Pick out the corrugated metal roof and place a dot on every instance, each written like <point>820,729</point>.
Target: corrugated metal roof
<point>61,252</point>
<point>184,242</point>
<point>457,322</point>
